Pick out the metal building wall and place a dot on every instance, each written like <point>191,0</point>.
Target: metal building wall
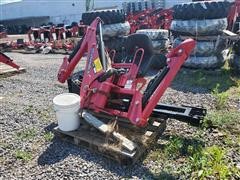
<point>59,11</point>
<point>62,11</point>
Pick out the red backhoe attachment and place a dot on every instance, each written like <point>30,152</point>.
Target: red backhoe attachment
<point>119,88</point>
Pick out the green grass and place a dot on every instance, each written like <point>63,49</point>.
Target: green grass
<point>48,136</point>
<point>179,146</point>
<point>173,149</point>
<point>27,134</point>
<point>176,147</point>
<point>44,115</point>
<point>221,98</point>
<point>24,155</point>
<point>199,161</point>
<point>190,156</point>
<point>222,119</point>
<point>210,162</point>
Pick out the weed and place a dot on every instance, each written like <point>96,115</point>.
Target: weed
<point>174,147</point>
<point>44,115</point>
<point>27,134</point>
<point>221,118</point>
<point>221,98</point>
<point>48,136</point>
<point>211,161</point>
<point>156,156</point>
<point>29,109</point>
<point>24,155</point>
<point>164,175</point>
<point>228,141</point>
<point>182,147</point>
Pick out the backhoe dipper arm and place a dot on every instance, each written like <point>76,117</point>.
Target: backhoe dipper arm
<point>176,58</point>
<point>88,41</point>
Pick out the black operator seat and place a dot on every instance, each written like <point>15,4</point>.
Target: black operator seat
<point>151,63</point>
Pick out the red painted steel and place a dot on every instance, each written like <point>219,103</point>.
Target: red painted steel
<point>233,14</point>
<point>7,60</point>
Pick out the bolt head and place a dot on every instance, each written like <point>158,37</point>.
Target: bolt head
<point>180,51</point>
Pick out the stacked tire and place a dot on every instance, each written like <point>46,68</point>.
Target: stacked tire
<point>115,27</point>
<point>141,5</point>
<point>203,18</point>
<point>159,38</point>
<point>114,23</point>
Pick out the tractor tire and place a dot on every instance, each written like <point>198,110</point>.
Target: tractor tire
<point>200,27</point>
<point>108,16</point>
<point>139,41</point>
<point>205,48</point>
<point>160,44</point>
<point>115,30</point>
<point>74,82</point>
<point>234,62</point>
<point>137,6</point>
<point>154,34</point>
<point>202,10</point>
<point>211,62</point>
<point>116,44</point>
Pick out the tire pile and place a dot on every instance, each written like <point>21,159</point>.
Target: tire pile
<point>114,22</point>
<point>159,38</point>
<point>115,26</point>
<point>141,5</point>
<point>204,18</point>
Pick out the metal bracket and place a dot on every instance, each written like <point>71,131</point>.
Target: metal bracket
<point>191,115</point>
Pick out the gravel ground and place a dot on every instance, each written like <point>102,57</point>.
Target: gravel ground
<point>26,103</point>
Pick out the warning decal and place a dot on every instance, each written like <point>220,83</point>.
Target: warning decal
<point>98,65</point>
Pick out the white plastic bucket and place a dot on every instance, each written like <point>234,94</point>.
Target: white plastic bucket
<point>67,107</point>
